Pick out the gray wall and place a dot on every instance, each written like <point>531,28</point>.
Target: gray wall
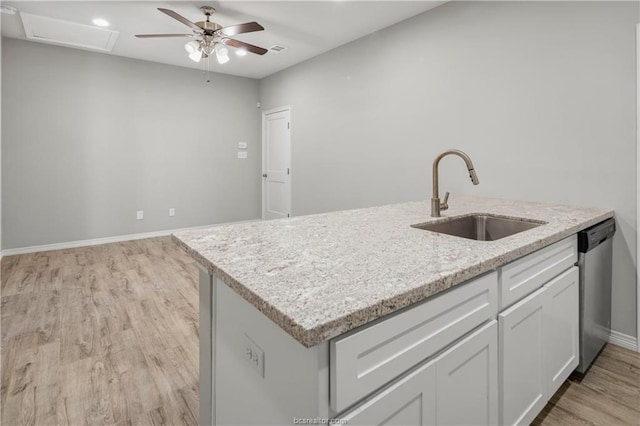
<point>540,94</point>
<point>89,138</point>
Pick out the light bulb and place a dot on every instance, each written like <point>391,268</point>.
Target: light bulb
<point>241,52</point>
<point>222,53</point>
<point>195,56</point>
<point>191,46</point>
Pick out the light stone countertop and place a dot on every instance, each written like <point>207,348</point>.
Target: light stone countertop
<point>321,275</point>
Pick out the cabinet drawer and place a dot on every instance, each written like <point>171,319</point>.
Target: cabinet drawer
<point>523,276</point>
<point>364,360</point>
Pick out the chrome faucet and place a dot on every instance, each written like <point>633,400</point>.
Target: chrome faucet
<point>436,206</point>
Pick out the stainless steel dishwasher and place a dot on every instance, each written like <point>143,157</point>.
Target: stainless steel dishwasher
<point>595,246</point>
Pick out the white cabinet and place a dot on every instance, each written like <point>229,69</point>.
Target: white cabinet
<point>410,401</point>
<point>521,335</point>
<point>467,380</point>
<point>444,361</point>
<point>460,386</point>
<point>538,338</point>
<point>561,328</point>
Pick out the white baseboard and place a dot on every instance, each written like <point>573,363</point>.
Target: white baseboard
<point>624,340</point>
<point>106,240</point>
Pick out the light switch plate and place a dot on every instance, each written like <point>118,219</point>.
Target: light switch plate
<point>242,154</point>
<point>242,145</point>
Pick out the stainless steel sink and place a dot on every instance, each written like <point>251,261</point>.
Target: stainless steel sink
<point>481,227</point>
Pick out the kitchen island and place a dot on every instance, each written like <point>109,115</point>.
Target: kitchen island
<point>281,299</point>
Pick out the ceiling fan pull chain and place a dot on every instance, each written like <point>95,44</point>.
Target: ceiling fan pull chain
<point>208,71</point>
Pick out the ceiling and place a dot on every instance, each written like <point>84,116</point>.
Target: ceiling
<point>305,28</point>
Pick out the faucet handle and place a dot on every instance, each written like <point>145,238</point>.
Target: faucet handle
<point>444,205</point>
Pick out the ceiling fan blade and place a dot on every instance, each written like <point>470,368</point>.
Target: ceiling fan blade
<point>248,27</point>
<point>181,18</point>
<point>242,45</point>
<point>162,35</point>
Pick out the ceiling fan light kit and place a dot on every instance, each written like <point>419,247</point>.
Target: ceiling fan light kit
<point>212,37</point>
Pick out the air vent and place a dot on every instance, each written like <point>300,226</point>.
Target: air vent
<point>277,49</point>
<point>65,33</point>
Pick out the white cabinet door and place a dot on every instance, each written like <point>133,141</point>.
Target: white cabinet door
<point>467,377</point>
<point>523,390</point>
<point>561,328</point>
<point>410,401</point>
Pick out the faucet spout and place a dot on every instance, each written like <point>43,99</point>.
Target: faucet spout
<point>435,199</point>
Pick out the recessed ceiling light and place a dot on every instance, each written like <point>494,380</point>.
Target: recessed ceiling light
<point>8,10</point>
<point>241,52</point>
<point>101,22</point>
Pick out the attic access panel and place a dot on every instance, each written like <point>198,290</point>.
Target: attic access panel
<point>66,33</point>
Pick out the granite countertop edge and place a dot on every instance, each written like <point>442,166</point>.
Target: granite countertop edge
<point>312,336</point>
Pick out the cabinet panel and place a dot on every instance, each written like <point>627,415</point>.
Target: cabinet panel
<point>458,387</point>
<point>467,377</point>
<point>367,359</point>
<point>411,401</point>
<point>523,390</point>
<point>525,275</point>
<point>561,328</point>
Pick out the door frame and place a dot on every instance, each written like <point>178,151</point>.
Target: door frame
<point>637,185</point>
<point>264,160</point>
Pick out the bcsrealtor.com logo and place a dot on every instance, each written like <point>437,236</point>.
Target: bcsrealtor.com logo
<point>318,421</point>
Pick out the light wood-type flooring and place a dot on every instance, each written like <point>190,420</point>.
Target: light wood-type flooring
<point>100,335</point>
<point>108,335</point>
<point>608,395</point>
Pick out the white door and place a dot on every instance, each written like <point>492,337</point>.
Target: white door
<point>561,328</point>
<point>523,390</point>
<point>467,380</point>
<point>276,163</point>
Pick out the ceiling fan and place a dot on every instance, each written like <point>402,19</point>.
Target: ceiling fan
<point>211,37</point>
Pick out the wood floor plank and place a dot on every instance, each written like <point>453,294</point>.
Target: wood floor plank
<point>49,399</point>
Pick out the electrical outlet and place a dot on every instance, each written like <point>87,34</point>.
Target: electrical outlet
<point>172,212</point>
<point>254,355</point>
<point>140,214</point>
<point>242,154</point>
